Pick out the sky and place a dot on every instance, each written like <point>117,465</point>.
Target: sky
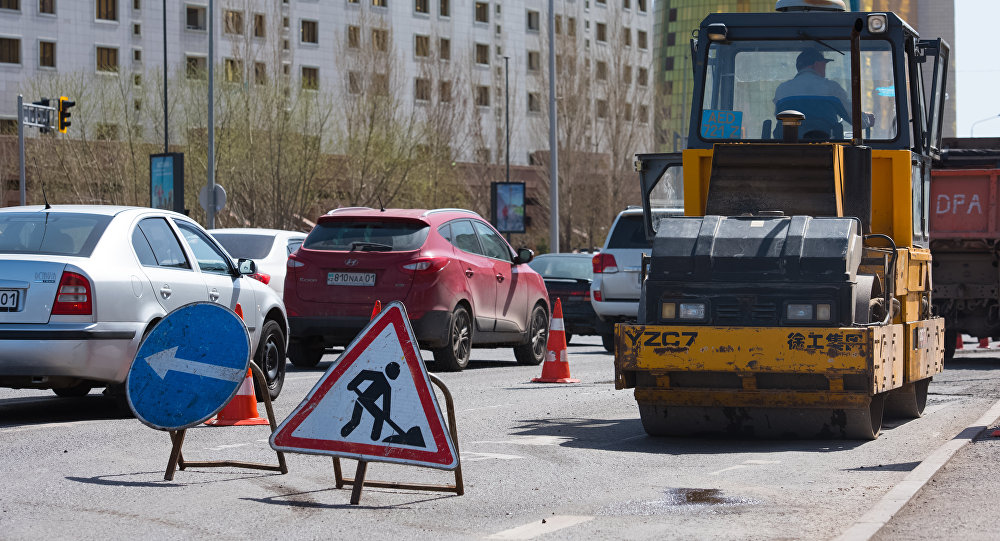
<point>977,68</point>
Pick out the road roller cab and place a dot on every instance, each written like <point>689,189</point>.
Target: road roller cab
<point>793,299</point>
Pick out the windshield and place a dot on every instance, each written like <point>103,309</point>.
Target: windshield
<point>570,267</point>
<point>67,233</point>
<point>748,82</point>
<point>369,236</point>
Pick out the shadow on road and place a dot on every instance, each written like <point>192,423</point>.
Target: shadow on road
<point>192,473</point>
<point>305,500</point>
<point>628,435</point>
<point>41,409</point>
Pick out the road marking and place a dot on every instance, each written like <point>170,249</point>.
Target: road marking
<point>541,527</point>
<point>532,440</point>
<point>476,457</point>
<point>167,360</point>
<point>898,496</point>
<point>751,462</point>
<point>730,468</point>
<point>762,462</point>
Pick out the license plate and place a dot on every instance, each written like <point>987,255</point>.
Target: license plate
<point>350,279</point>
<point>8,299</point>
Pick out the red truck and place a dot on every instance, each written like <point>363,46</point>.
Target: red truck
<point>965,238</point>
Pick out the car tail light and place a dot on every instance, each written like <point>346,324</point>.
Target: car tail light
<point>425,265</point>
<point>261,277</point>
<point>597,295</point>
<point>74,296</point>
<point>293,262</point>
<point>604,263</point>
<point>586,296</point>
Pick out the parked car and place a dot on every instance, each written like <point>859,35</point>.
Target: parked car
<point>616,287</point>
<point>568,277</point>
<point>80,286</point>
<point>461,283</point>
<point>268,248</point>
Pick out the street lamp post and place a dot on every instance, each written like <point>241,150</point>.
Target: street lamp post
<point>553,138</point>
<point>973,127</point>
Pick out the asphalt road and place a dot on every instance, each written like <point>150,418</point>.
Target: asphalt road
<point>539,460</point>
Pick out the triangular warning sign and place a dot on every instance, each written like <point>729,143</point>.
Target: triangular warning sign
<point>375,403</point>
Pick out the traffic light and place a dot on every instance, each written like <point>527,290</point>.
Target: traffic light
<point>64,106</point>
<point>44,102</point>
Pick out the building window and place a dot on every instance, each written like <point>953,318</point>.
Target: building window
<point>642,5</point>
<point>260,73</point>
<point>422,89</point>
<point>558,22</point>
<point>107,59</point>
<point>643,78</point>
<point>534,61</point>
<point>137,56</point>
<point>483,96</point>
<point>533,23</point>
<point>445,48</point>
<point>626,36</point>
<point>627,4</point>
<point>380,84</point>
<point>672,15</point>
<point>285,23</point>
<point>353,37</point>
<point>445,9</point>
<point>196,18</point>
<point>668,63</point>
<point>285,46</point>
<point>627,74</point>
<point>310,78</point>
<point>499,30</point>
<point>643,114</point>
<point>197,67</point>
<point>602,32</point>
<point>259,25</point>
<point>482,12</point>
<point>137,79</point>
<point>601,2</point>
<point>421,6</point>
<point>310,32</point>
<point>571,26</point>
<point>47,54</point>
<point>233,22</point>
<point>136,29</point>
<point>422,46</point>
<point>602,108</point>
<point>234,70</point>
<point>137,4</point>
<point>482,54</point>
<point>354,82</point>
<point>107,10</point>
<point>46,6</point>
<point>380,3</point>
<point>10,4</point>
<point>380,39</point>
<point>444,91</point>
<point>602,70</point>
<point>534,102</point>
<point>671,39</point>
<point>483,155</point>
<point>641,39</point>
<point>628,112</point>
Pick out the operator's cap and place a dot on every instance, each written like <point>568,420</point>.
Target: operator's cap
<point>809,57</point>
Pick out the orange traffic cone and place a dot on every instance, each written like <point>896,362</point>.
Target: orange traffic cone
<point>377,310</point>
<point>984,343</point>
<point>958,343</point>
<point>555,369</point>
<point>242,409</point>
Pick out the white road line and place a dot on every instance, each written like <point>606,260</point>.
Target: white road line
<point>476,457</point>
<point>762,462</point>
<point>730,468</point>
<point>890,504</point>
<point>541,527</point>
<point>531,440</point>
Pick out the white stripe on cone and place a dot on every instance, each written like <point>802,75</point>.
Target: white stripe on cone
<point>557,325</point>
<point>246,388</point>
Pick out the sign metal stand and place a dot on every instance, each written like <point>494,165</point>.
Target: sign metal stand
<point>177,439</point>
<point>359,482</point>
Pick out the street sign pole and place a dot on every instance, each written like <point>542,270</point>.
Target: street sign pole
<point>20,143</point>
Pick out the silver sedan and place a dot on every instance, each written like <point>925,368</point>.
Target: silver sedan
<point>81,285</point>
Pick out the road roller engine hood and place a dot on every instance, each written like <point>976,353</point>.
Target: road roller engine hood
<point>750,269</point>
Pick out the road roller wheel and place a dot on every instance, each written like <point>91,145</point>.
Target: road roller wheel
<point>908,401</point>
<point>865,423</point>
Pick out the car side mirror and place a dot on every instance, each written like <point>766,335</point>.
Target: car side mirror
<point>524,255</point>
<point>247,266</point>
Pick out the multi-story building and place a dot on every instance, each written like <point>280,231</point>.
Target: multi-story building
<point>676,20</point>
<point>492,46</point>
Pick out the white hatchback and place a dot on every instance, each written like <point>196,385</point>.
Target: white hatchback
<point>268,248</point>
<point>81,285</point>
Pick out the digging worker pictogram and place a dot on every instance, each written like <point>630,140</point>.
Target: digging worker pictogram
<point>378,387</point>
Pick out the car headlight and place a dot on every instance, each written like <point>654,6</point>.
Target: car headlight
<point>668,310</point>
<point>799,312</point>
<point>823,312</point>
<point>692,310</point>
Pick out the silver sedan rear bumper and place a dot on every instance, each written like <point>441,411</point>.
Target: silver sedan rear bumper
<point>100,352</point>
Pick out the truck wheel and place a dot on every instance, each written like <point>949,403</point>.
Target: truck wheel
<point>270,357</point>
<point>303,355</point>
<point>455,356</point>
<point>950,343</point>
<point>609,342</point>
<point>533,353</point>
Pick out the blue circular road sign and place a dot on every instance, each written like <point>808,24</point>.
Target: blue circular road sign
<point>188,367</point>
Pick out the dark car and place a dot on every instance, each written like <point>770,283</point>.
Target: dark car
<point>461,283</point>
<point>568,277</point>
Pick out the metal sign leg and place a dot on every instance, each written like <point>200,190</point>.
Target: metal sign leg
<point>177,438</point>
<point>359,482</point>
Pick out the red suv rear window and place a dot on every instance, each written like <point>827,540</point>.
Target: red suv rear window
<point>367,235</point>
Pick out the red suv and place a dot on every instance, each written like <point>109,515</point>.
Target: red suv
<point>462,284</point>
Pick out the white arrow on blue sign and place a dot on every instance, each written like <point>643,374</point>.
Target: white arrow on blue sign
<point>188,367</point>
